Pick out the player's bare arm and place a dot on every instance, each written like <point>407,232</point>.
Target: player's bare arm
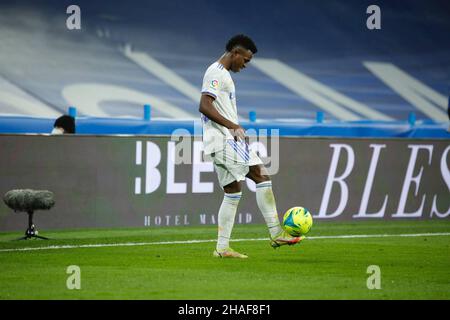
<point>207,108</point>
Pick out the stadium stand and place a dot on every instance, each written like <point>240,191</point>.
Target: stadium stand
<point>313,57</point>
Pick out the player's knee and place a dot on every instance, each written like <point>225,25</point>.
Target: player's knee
<point>258,178</point>
<point>233,187</point>
<point>262,178</point>
<point>258,175</point>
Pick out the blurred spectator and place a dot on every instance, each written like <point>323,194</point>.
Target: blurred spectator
<point>63,125</point>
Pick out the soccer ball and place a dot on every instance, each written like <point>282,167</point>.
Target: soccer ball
<point>297,221</point>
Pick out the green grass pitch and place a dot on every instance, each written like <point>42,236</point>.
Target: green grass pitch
<point>324,266</point>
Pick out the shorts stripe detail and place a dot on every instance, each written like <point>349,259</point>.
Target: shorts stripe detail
<point>247,156</point>
<point>246,151</point>
<point>238,151</point>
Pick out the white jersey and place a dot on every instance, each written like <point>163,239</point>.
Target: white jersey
<point>218,83</point>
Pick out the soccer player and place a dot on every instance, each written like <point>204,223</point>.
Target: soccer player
<point>225,144</point>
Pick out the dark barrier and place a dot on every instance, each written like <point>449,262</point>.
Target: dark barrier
<point>113,181</point>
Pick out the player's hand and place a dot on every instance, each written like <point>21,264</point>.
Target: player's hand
<point>238,133</point>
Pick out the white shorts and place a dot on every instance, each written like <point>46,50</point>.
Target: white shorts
<point>233,162</point>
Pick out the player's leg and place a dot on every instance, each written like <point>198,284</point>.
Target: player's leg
<point>267,205</point>
<point>265,198</point>
<point>227,214</point>
<point>230,176</point>
<point>225,220</point>
<point>234,187</point>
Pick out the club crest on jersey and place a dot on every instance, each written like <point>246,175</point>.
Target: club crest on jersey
<point>214,84</point>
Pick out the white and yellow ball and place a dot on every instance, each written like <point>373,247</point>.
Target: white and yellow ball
<point>297,221</point>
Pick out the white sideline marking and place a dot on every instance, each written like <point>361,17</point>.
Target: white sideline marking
<point>128,244</point>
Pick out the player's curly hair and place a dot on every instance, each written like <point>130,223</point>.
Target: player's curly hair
<point>243,41</point>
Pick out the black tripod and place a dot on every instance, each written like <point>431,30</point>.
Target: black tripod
<point>31,231</point>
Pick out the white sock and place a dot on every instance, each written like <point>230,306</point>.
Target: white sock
<point>266,203</point>
<point>227,213</point>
